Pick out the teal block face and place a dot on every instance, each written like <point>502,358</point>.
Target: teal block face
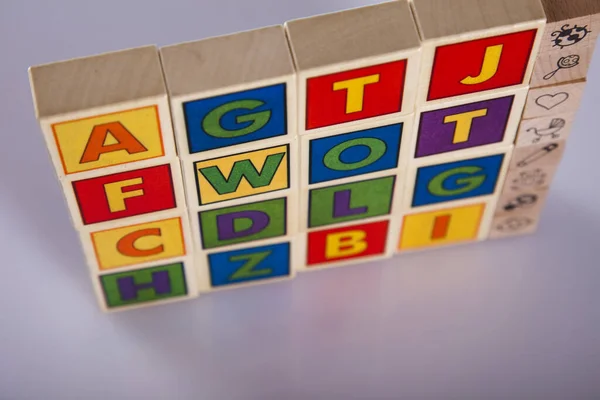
<point>351,201</point>
<point>243,223</point>
<point>144,285</point>
<point>249,265</point>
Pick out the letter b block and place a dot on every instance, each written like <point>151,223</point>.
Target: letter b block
<point>477,46</point>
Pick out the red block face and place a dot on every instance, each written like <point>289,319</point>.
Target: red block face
<point>355,95</point>
<point>346,243</point>
<point>480,65</point>
<point>110,197</point>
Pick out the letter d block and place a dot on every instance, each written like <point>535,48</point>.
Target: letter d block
<point>355,66</point>
<point>102,112</point>
<point>231,90</point>
<point>475,46</point>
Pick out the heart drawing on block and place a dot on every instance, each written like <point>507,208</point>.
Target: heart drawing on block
<point>549,101</point>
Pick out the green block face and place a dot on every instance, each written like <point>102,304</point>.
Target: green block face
<point>349,202</point>
<point>243,223</point>
<point>144,285</point>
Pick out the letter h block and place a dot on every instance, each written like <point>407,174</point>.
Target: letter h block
<point>107,125</point>
<point>478,58</point>
<point>357,80</point>
<point>233,101</point>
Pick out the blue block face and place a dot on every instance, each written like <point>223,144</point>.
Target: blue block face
<point>355,153</point>
<point>252,264</point>
<point>457,180</point>
<point>236,118</point>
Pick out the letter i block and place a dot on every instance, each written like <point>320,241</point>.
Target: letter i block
<point>270,261</point>
<point>231,91</point>
<point>124,196</point>
<point>355,66</point>
<point>100,114</point>
<point>476,46</point>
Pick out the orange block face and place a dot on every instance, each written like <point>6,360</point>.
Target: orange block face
<point>106,140</point>
<point>141,243</point>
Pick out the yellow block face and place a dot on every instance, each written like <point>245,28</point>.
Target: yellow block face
<point>441,227</point>
<point>111,139</point>
<point>242,175</point>
<point>138,244</point>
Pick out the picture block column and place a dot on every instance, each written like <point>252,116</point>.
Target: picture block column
<point>108,129</point>
<point>233,101</point>
<point>357,79</point>
<point>478,57</point>
<point>557,86</point>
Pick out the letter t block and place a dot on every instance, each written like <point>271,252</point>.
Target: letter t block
<point>476,46</point>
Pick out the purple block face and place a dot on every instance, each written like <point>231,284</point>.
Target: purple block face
<point>438,128</point>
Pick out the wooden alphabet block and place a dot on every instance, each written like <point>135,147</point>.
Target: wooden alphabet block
<point>476,46</point>
<point>569,41</point>
<point>158,284</point>
<point>104,113</point>
<point>124,196</point>
<point>268,262</point>
<point>548,101</point>
<point>355,66</point>
<point>145,241</point>
<point>478,123</point>
<point>545,130</point>
<point>346,244</point>
<point>230,91</point>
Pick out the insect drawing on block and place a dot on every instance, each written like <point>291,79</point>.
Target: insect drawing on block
<point>569,36</point>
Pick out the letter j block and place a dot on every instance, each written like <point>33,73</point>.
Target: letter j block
<point>231,90</point>
<point>355,66</point>
<point>476,46</point>
<point>99,114</point>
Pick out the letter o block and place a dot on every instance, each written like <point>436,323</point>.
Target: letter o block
<point>231,91</point>
<point>355,66</point>
<point>99,114</point>
<point>477,46</point>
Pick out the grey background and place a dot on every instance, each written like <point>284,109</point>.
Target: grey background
<point>510,319</point>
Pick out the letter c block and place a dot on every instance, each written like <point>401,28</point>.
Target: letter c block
<point>141,243</point>
<point>126,194</point>
<point>457,180</point>
<point>350,242</point>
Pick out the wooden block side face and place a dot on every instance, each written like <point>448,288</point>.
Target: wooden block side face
<point>217,122</point>
<point>353,153</point>
<point>125,195</point>
<point>347,245</point>
<point>347,36</point>
<point>232,60</point>
<point>537,155</point>
<point>135,245</point>
<point>466,126</point>
<point>153,285</point>
<point>545,130</point>
<point>98,81</point>
<point>556,67</point>
<point>350,95</point>
<point>270,261</point>
<point>513,203</point>
<point>571,35</point>
<point>514,225</point>
<point>529,179</point>
<point>441,227</point>
<point>454,67</point>
<point>551,100</point>
<point>444,183</point>
<point>443,18</point>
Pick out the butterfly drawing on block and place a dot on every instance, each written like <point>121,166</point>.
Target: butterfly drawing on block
<point>552,131</point>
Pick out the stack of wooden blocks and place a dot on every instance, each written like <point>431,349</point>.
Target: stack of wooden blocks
<point>328,141</point>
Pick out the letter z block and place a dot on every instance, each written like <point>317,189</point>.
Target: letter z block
<point>231,90</point>
<point>476,46</point>
<point>355,66</point>
<point>100,114</point>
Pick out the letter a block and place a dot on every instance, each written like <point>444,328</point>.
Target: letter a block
<point>355,66</point>
<point>476,46</point>
<point>100,114</point>
<point>229,91</point>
